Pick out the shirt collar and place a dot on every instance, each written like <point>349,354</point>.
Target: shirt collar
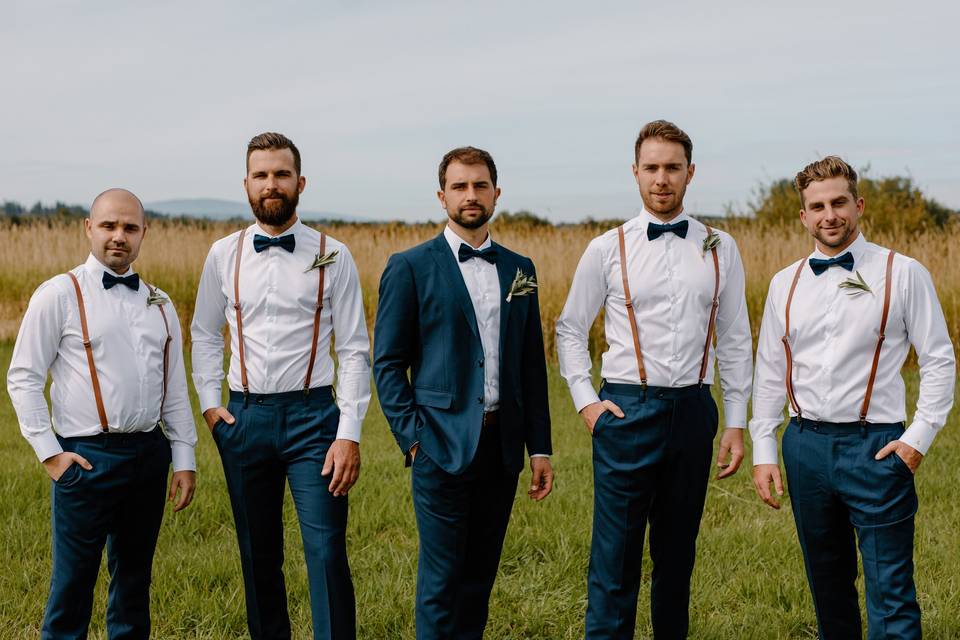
<point>96,268</point>
<point>455,241</point>
<point>645,217</point>
<point>296,229</point>
<point>856,248</point>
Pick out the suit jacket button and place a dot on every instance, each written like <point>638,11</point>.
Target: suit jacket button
<point>480,400</point>
<point>480,362</point>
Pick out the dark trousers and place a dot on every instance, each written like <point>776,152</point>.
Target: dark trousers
<point>118,503</point>
<point>277,439</point>
<point>462,520</point>
<point>652,465</point>
<point>837,490</point>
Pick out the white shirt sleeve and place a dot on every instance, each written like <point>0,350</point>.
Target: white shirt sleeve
<point>177,413</point>
<point>207,337</point>
<point>769,392</point>
<point>734,342</point>
<point>588,291</point>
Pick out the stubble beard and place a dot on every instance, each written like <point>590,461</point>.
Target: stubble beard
<point>668,210</point>
<point>274,214</point>
<point>841,241</point>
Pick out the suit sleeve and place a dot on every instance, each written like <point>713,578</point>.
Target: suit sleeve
<point>395,344</point>
<point>536,407</point>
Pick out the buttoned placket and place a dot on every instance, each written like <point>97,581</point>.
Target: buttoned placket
<point>672,285</point>
<point>270,307</point>
<point>128,300</point>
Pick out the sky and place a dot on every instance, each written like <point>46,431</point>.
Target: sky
<point>162,97</point>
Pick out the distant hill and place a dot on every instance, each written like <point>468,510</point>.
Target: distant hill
<point>223,209</point>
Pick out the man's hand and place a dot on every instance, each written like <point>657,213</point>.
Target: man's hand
<point>184,482</point>
<point>56,465</point>
<point>731,444</point>
<point>541,480</point>
<point>763,475</point>
<point>413,452</point>
<point>910,456</point>
<point>213,414</point>
<point>343,459</point>
<point>591,412</point>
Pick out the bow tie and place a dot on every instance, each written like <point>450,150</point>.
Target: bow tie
<point>819,266</point>
<point>132,281</point>
<point>466,252</point>
<point>655,230</point>
<point>287,242</point>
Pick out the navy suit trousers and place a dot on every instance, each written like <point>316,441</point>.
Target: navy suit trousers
<point>462,520</point>
<point>837,489</point>
<point>276,439</point>
<point>118,503</point>
<point>652,465</point>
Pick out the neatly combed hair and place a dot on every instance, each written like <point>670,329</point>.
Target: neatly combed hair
<point>665,131</point>
<point>467,155</point>
<point>829,167</point>
<point>271,141</point>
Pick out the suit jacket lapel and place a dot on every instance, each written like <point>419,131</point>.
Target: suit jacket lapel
<point>450,271</point>
<point>506,271</point>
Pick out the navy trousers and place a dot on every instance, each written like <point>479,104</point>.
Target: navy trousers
<point>652,465</point>
<point>837,490</point>
<point>462,520</point>
<point>276,439</point>
<point>118,503</point>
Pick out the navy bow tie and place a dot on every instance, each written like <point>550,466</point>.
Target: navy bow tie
<point>819,266</point>
<point>287,242</point>
<point>655,230</point>
<point>132,281</point>
<point>466,252</point>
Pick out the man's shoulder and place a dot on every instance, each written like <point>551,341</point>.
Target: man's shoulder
<point>785,276</point>
<point>419,251</point>
<point>512,255</point>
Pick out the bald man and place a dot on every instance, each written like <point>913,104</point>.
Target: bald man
<point>121,414</point>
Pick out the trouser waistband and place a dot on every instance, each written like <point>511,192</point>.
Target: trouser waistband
<point>286,397</point>
<point>661,393</point>
<point>118,438</point>
<point>842,428</point>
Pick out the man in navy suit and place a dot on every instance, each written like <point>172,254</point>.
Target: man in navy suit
<point>459,313</point>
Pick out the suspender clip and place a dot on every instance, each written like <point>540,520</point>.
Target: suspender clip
<point>863,427</point>
<point>246,395</point>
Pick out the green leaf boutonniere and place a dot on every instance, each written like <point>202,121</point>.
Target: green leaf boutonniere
<point>855,286</point>
<point>322,261</point>
<point>711,241</point>
<point>156,297</point>
<point>522,285</point>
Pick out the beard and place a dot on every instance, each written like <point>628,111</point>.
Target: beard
<point>667,209</point>
<point>839,241</point>
<point>471,223</point>
<point>274,213</point>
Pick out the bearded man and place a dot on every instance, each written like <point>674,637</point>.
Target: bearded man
<point>286,291</point>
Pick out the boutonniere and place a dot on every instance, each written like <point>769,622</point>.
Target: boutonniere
<point>156,297</point>
<point>323,260</point>
<point>522,285</point>
<point>855,286</point>
<point>711,241</point>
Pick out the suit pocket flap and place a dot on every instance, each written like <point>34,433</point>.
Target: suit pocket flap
<point>433,398</point>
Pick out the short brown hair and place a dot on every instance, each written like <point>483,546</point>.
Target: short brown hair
<point>467,155</point>
<point>829,167</point>
<point>273,141</point>
<point>665,131</point>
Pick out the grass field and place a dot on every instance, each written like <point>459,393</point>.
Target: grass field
<point>749,580</point>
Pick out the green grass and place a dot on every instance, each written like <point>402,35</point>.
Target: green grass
<point>749,580</point>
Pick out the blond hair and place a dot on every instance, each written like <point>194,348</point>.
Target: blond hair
<point>664,130</point>
<point>829,167</point>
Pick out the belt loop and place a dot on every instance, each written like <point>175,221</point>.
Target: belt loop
<point>246,395</point>
<point>800,424</point>
<point>863,428</point>
<point>644,387</point>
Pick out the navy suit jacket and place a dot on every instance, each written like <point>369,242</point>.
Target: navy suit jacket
<point>426,325</point>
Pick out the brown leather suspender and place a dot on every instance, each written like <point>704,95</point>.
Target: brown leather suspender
<point>631,316</point>
<point>316,316</point>
<point>88,347</point>
<point>887,288</point>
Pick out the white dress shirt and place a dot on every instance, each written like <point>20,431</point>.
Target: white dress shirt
<point>483,284</point>
<point>278,299</point>
<point>833,336</point>
<point>127,337</point>
<point>672,282</point>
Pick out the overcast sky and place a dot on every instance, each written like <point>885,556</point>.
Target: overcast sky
<point>162,98</point>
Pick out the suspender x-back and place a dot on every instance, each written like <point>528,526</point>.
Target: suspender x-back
<point>316,316</point>
<point>788,378</point>
<point>631,315</point>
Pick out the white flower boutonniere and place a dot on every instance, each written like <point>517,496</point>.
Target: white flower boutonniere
<point>855,286</point>
<point>322,261</point>
<point>522,285</point>
<point>156,297</point>
<point>712,240</point>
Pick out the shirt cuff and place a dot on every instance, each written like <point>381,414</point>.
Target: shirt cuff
<point>583,394</point>
<point>45,444</point>
<point>539,455</point>
<point>348,429</point>
<point>210,398</point>
<point>183,457</point>
<point>765,450</point>
<point>735,414</point>
<point>919,435</point>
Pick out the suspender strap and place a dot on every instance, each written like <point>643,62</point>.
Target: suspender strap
<point>788,379</point>
<point>316,317</point>
<point>628,300</point>
<point>94,379</point>
<point>883,326</point>
<point>166,350</point>
<point>713,309</point>
<point>236,306</point>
